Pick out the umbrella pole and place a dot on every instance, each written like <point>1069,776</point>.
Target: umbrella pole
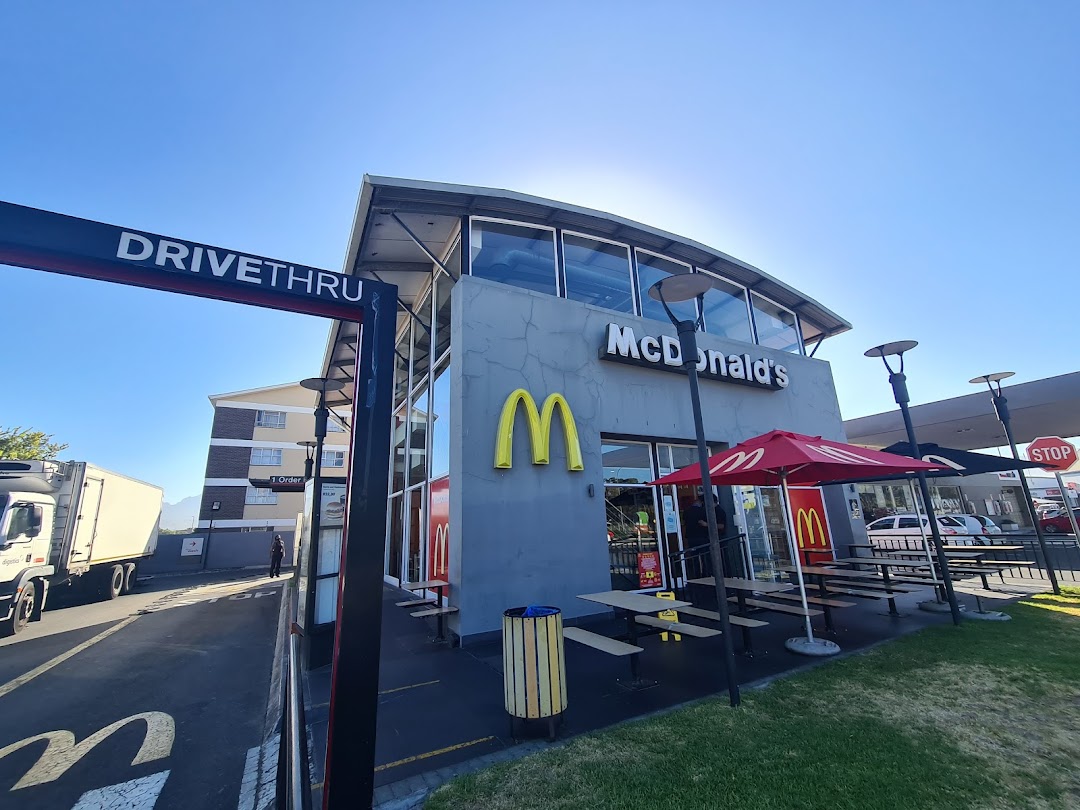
<point>925,540</point>
<point>793,542</point>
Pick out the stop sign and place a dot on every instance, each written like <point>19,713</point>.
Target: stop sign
<point>1052,453</point>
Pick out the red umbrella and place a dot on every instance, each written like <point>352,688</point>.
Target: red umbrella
<point>780,458</point>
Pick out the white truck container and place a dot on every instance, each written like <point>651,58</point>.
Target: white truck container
<point>69,523</point>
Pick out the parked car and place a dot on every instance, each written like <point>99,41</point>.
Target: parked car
<point>972,527</point>
<point>988,524</point>
<point>909,525</point>
<point>1059,524</point>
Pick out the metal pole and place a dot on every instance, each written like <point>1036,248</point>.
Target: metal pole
<point>1001,407</point>
<point>688,346</point>
<point>793,542</point>
<point>1068,506</point>
<point>922,533</point>
<point>321,413</point>
<point>900,393</point>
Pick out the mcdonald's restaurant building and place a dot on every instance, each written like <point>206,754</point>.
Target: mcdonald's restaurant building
<point>538,391</point>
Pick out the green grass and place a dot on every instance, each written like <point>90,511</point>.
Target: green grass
<point>986,715</point>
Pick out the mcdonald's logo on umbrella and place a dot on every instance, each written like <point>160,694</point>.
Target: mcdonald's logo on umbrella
<point>539,422</point>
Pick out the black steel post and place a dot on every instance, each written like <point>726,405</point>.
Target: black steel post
<point>1001,407</point>
<point>900,393</point>
<point>307,469</point>
<point>688,346</point>
<point>354,693</point>
<point>312,572</point>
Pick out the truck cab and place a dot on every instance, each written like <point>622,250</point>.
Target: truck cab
<point>25,537</point>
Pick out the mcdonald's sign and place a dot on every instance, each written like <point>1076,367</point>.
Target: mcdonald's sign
<point>811,523</point>
<point>439,529</point>
<point>539,422</point>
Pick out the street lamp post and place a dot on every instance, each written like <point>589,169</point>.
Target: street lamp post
<point>322,413</point>
<point>1001,408</point>
<point>898,380</point>
<point>686,287</point>
<point>215,506</point>
<point>309,446</point>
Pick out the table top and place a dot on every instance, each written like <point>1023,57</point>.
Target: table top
<point>964,555</point>
<point>736,584</point>
<point>423,586</point>
<point>634,602</point>
<point>885,561</point>
<point>983,548</point>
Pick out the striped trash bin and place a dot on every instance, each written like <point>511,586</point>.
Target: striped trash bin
<point>534,667</point>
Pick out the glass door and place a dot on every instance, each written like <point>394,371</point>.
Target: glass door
<point>762,518</point>
<point>635,553</point>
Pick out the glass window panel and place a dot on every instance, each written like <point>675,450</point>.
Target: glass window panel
<point>421,340</point>
<point>631,531</point>
<point>598,273</point>
<point>418,439</point>
<point>270,419</point>
<point>443,287</point>
<point>675,457</point>
<point>724,312</point>
<point>417,532</point>
<point>440,423</point>
<point>627,463</point>
<point>401,366</point>
<point>397,533</point>
<point>519,255</point>
<point>652,269</point>
<point>775,325</point>
<point>266,456</point>
<point>400,434</point>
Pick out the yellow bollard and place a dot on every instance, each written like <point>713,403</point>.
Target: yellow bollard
<point>668,615</point>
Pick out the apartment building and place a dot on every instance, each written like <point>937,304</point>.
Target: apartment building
<point>254,436</point>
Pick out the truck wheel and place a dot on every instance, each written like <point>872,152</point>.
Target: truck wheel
<point>129,577</point>
<point>116,582</point>
<point>24,610</point>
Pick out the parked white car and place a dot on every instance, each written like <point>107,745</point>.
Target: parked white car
<point>909,525</point>
<point>972,526</point>
<point>988,524</point>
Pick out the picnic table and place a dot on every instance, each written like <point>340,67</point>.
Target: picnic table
<point>631,605</point>
<point>741,588</point>
<point>885,563</point>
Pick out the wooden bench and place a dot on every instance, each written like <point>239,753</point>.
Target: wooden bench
<point>892,587</point>
<point>414,603</point>
<point>813,600</point>
<point>604,644</point>
<point>438,611</point>
<point>677,627</point>
<point>846,591</point>
<point>778,608</point>
<point>737,621</point>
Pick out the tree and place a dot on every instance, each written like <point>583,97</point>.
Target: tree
<point>24,443</point>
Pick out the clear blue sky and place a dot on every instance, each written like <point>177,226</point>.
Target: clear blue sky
<point>914,166</point>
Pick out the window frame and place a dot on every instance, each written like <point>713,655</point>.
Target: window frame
<point>272,450</point>
<point>637,280</point>
<point>262,412</point>
<point>520,224</point>
<point>562,234</point>
<point>794,314</point>
<point>747,292</point>
<point>336,453</point>
<point>252,495</point>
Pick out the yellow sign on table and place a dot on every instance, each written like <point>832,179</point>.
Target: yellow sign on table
<point>668,615</point>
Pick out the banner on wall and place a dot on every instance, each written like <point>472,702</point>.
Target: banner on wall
<point>811,524</point>
<point>439,529</point>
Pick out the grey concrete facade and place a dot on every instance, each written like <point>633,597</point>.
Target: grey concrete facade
<point>534,533</point>
<point>227,549</point>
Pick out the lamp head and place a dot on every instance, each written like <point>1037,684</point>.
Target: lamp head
<point>992,378</point>
<point>897,348</point>
<point>322,384</point>
<point>681,287</point>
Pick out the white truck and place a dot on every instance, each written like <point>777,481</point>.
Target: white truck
<point>69,523</point>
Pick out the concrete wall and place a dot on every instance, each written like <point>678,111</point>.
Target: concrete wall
<point>227,549</point>
<point>533,534</point>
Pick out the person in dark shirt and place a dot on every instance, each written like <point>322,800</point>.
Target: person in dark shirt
<point>696,522</point>
<point>277,551</point>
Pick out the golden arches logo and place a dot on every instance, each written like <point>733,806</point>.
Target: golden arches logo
<point>539,422</point>
<point>815,530</point>
<point>442,538</point>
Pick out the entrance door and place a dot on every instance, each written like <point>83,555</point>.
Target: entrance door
<point>766,542</point>
<point>635,552</point>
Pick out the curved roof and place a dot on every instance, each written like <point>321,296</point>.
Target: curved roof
<point>393,215</point>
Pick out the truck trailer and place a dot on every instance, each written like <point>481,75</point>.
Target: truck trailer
<point>69,523</point>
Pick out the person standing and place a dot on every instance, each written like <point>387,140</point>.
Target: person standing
<point>277,551</point>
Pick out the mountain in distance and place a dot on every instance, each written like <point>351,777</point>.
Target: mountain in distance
<point>180,515</point>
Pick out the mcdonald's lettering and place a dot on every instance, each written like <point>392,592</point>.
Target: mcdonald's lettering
<point>62,752</point>
<point>739,460</point>
<point>815,531</point>
<point>539,423</point>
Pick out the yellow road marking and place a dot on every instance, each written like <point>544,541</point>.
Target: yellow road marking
<point>434,753</point>
<point>15,683</point>
<point>403,688</point>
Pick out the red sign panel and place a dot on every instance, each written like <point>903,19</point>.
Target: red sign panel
<point>811,524</point>
<point>1052,453</point>
<point>648,569</point>
<point>439,530</point>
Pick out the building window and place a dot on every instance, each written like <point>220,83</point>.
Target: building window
<point>333,458</point>
<point>724,311</point>
<point>443,286</point>
<point>333,427</point>
<point>270,419</point>
<point>260,495</point>
<point>265,456</point>
<point>421,332</point>
<point>519,255</point>
<point>652,269</point>
<point>776,326</point>
<point>401,364</point>
<point>440,422</point>
<point>598,273</point>
<point>417,468</point>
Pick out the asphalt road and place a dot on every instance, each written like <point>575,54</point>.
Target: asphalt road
<point>154,700</point>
